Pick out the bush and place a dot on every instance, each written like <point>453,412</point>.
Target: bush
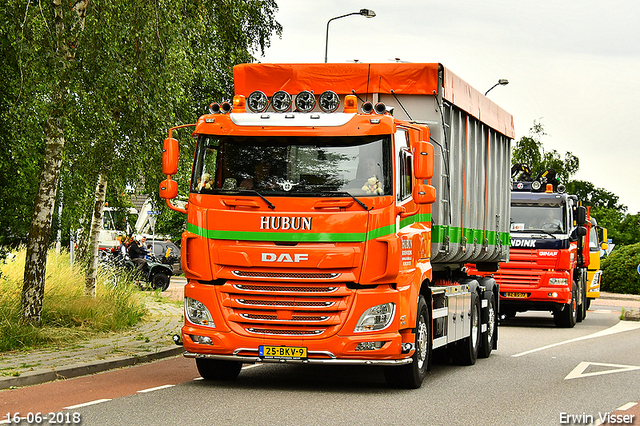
<point>67,315</point>
<point>620,270</point>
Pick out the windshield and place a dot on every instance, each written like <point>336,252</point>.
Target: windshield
<point>293,166</point>
<point>527,218</point>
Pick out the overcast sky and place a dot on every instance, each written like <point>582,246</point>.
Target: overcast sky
<point>572,64</point>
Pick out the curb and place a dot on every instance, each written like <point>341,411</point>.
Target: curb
<point>83,369</point>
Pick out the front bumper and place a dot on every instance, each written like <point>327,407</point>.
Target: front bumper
<point>331,360</point>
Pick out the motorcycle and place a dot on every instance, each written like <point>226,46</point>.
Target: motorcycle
<point>155,273</point>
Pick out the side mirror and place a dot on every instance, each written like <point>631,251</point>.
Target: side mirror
<point>581,215</point>
<point>423,159</point>
<point>424,194</point>
<point>581,231</point>
<point>170,152</point>
<point>168,189</point>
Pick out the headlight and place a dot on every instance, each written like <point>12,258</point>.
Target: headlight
<point>376,318</point>
<point>281,101</point>
<point>305,101</point>
<point>558,281</point>
<point>257,101</point>
<point>329,101</point>
<point>197,313</point>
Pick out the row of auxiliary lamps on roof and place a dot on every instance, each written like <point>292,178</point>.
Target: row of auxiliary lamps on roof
<point>305,101</point>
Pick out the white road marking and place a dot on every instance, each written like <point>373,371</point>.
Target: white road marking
<point>627,406</point>
<point>156,388</point>
<point>97,401</point>
<point>615,368</point>
<point>618,328</point>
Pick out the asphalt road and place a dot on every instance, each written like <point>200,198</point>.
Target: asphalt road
<point>539,375</point>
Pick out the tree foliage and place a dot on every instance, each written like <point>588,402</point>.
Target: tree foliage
<point>101,81</point>
<point>620,270</point>
<point>529,150</point>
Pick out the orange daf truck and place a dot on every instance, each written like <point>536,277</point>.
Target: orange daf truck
<point>331,211</point>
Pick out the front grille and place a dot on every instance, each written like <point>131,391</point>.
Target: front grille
<point>528,278</point>
<point>282,303</point>
<point>279,332</point>
<point>287,275</point>
<point>286,289</point>
<point>287,309</point>
<point>308,318</point>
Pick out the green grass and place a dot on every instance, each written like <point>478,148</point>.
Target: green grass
<point>67,315</point>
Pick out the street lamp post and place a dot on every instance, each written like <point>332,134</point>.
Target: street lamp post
<point>367,13</point>
<point>501,82</point>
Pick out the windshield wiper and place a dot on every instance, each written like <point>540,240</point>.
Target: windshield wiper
<point>253,191</point>
<point>535,231</point>
<point>364,206</point>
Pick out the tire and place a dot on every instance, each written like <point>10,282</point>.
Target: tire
<point>411,376</point>
<point>567,317</point>
<point>466,351</point>
<point>489,337</point>
<point>582,307</point>
<point>213,369</point>
<point>160,281</point>
<point>588,302</point>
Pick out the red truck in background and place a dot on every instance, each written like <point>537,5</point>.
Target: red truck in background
<point>549,254</point>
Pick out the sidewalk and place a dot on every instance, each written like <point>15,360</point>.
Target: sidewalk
<point>150,341</point>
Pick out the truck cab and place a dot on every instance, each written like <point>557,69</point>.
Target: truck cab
<point>548,257</point>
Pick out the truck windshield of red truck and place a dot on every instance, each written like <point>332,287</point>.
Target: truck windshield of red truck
<point>550,218</point>
<point>293,166</point>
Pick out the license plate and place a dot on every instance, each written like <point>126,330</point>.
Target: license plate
<point>519,295</point>
<point>282,352</point>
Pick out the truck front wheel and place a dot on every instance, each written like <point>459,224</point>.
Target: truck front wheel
<point>411,376</point>
<point>213,369</point>
<point>567,317</point>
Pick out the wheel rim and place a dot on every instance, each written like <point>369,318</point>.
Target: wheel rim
<point>474,327</point>
<point>492,321</point>
<point>422,340</point>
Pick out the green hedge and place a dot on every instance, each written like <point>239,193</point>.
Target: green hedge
<point>620,270</point>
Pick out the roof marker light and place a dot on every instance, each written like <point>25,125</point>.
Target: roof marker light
<point>239,103</point>
<point>350,104</point>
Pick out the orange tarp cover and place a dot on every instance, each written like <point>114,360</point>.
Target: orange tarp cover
<point>402,78</point>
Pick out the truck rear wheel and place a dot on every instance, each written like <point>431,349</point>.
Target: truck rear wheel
<point>411,376</point>
<point>213,369</point>
<point>489,336</point>
<point>466,351</point>
<point>567,317</point>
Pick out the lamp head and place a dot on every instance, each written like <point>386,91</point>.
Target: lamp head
<point>368,13</point>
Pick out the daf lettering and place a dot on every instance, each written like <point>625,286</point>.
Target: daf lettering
<point>285,257</point>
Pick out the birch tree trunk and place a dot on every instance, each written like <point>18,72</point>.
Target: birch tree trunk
<point>35,268</point>
<point>94,234</point>
<point>38,241</point>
